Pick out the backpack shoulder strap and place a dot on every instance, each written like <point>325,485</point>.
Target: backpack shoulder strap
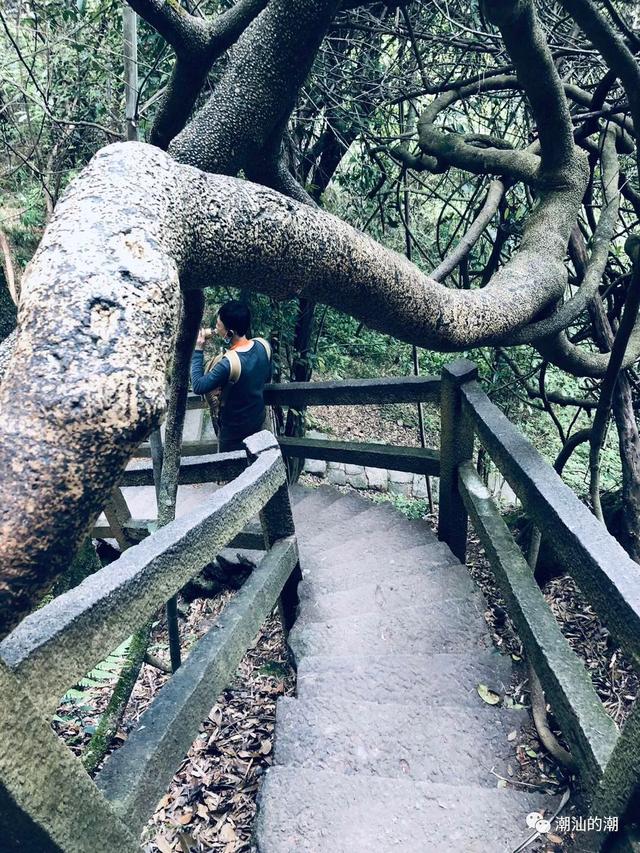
<point>211,362</point>
<point>265,343</point>
<point>235,366</point>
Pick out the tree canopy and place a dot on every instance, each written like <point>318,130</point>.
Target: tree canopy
<point>456,175</point>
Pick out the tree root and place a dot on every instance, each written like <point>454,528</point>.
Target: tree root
<point>539,711</point>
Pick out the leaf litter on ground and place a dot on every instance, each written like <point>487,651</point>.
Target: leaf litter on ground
<point>211,801</point>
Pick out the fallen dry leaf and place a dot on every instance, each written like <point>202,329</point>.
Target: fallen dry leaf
<point>228,834</point>
<point>162,844</point>
<point>487,695</point>
<point>265,747</point>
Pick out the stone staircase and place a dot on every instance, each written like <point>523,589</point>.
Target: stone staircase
<point>388,746</point>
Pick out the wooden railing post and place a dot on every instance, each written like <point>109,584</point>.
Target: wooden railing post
<point>456,447</point>
<point>276,518</point>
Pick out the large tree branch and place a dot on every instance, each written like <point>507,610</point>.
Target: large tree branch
<point>271,61</point>
<point>538,76</point>
<point>197,44</point>
<point>595,267</point>
<point>98,313</point>
<point>495,194</point>
<point>616,53</point>
<point>455,149</point>
<point>184,32</point>
<point>7,347</point>
<point>560,351</point>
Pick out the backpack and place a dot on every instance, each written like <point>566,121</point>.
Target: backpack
<point>213,398</point>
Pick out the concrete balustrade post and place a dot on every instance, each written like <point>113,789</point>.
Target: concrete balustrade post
<point>456,447</point>
<point>276,518</point>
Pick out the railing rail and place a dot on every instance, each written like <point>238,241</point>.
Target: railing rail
<point>54,646</point>
<point>608,760</point>
<point>392,389</point>
<point>590,731</point>
<point>605,573</point>
<point>43,653</point>
<point>597,562</point>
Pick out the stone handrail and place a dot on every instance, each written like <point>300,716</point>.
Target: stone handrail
<point>49,801</point>
<point>607,760</point>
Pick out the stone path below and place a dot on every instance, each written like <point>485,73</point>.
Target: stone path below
<point>388,746</point>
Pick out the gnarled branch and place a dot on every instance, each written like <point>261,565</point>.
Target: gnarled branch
<point>197,44</point>
<point>99,307</point>
<point>601,244</point>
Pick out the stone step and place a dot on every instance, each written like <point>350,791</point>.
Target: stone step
<point>412,630</point>
<point>384,594</point>
<point>312,519</point>
<point>385,528</point>
<point>419,528</point>
<point>373,519</point>
<point>432,680</point>
<point>322,576</point>
<point>378,532</point>
<point>387,540</point>
<point>397,740</point>
<point>297,493</point>
<point>310,811</point>
<point>310,502</point>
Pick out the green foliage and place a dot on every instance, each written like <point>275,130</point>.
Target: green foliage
<point>413,508</point>
<point>103,673</point>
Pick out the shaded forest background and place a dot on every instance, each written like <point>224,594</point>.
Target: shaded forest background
<point>351,144</point>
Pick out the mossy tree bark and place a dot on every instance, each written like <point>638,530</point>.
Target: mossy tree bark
<point>99,304</point>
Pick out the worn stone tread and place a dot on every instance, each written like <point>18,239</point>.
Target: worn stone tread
<point>310,523</point>
<point>375,535</point>
<point>371,575</point>
<point>433,680</point>
<point>311,502</point>
<point>298,493</point>
<point>311,811</point>
<point>391,541</point>
<point>374,518</point>
<point>384,594</point>
<point>388,746</point>
<point>419,630</point>
<point>386,543</point>
<point>346,578</point>
<point>459,745</point>
<point>379,520</point>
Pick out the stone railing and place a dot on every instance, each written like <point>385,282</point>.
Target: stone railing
<point>57,644</point>
<point>608,760</point>
<point>48,801</point>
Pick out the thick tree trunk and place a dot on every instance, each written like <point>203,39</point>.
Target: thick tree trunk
<point>99,305</point>
<point>271,61</point>
<point>87,380</point>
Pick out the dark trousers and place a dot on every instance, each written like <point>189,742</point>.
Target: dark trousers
<point>229,444</point>
<point>228,441</point>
